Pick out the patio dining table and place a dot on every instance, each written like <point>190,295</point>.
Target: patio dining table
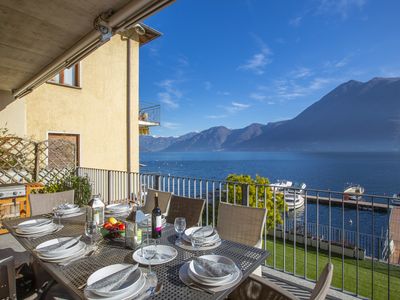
<point>74,275</point>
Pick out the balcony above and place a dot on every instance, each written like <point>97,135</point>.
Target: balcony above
<point>149,115</point>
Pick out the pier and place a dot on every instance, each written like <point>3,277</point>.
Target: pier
<point>351,203</point>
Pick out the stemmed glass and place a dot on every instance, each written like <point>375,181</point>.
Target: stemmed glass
<point>180,226</point>
<point>149,251</point>
<point>91,230</point>
<point>197,239</point>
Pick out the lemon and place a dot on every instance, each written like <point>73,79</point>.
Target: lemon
<point>112,220</point>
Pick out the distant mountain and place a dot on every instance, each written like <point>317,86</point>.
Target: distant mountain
<point>153,144</point>
<point>355,116</point>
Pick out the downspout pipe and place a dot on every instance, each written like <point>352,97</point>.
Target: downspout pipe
<point>127,16</point>
<point>128,115</point>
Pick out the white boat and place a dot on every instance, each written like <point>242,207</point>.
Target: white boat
<point>354,191</point>
<point>396,199</point>
<point>281,185</point>
<point>293,200</point>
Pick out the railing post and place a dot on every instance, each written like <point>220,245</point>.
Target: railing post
<point>36,171</point>
<point>157,182</point>
<point>108,186</point>
<point>245,194</point>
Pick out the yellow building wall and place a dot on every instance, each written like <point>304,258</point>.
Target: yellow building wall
<point>97,111</point>
<point>12,114</point>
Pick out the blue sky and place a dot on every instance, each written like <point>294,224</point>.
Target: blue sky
<point>237,62</point>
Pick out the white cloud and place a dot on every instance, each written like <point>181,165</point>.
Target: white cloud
<point>223,93</point>
<point>258,61</point>
<point>207,85</point>
<point>295,21</point>
<point>257,96</point>
<point>170,125</point>
<point>235,107</point>
<point>170,95</point>
<point>216,116</point>
<point>340,7</point>
<point>301,72</point>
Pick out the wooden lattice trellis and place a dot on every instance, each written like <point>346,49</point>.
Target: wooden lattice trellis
<point>23,160</point>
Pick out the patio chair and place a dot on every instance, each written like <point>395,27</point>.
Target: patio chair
<point>163,201</point>
<point>44,203</point>
<point>8,288</point>
<point>258,288</point>
<point>241,224</point>
<point>189,208</point>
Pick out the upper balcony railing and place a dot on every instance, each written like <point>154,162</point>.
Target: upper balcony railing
<point>149,114</point>
<point>357,235</point>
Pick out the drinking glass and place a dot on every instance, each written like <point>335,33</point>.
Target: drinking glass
<point>180,226</point>
<point>58,214</point>
<point>197,239</point>
<point>149,251</point>
<point>91,230</point>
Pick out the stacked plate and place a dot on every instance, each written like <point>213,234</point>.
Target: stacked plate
<point>147,221</point>
<point>36,228</point>
<point>61,250</point>
<point>119,281</point>
<point>117,209</point>
<point>208,234</point>
<point>213,271</point>
<point>68,210</point>
<point>163,255</point>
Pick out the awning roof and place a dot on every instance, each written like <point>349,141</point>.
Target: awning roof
<point>39,38</point>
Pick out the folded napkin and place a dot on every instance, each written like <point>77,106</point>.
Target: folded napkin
<point>67,206</point>
<point>203,231</point>
<point>212,268</point>
<point>60,246</point>
<point>113,281</point>
<point>38,223</point>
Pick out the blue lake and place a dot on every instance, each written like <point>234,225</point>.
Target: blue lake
<point>379,173</point>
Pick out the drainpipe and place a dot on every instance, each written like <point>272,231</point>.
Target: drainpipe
<point>128,114</point>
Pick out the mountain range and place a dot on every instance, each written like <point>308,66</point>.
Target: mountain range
<point>355,116</point>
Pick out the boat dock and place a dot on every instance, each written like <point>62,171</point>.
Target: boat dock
<point>395,234</point>
<point>351,203</point>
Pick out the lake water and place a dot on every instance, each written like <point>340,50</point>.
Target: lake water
<point>378,173</point>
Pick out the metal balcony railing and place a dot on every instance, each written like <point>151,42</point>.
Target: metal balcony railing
<point>149,114</point>
<point>358,236</point>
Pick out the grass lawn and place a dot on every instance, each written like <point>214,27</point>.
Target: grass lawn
<point>365,280</point>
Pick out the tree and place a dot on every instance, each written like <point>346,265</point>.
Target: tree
<point>259,192</point>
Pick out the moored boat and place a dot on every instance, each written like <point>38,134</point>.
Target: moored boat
<point>354,191</point>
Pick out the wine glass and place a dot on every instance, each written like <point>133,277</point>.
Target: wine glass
<point>149,251</point>
<point>91,230</point>
<point>180,226</point>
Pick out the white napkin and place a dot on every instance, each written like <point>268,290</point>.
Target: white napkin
<point>60,246</point>
<point>205,231</point>
<point>212,268</point>
<point>112,282</point>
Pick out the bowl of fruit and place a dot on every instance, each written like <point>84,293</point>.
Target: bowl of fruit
<point>113,228</point>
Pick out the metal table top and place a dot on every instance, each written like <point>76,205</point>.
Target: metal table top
<point>75,274</point>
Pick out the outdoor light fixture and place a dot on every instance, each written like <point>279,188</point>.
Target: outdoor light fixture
<point>139,29</point>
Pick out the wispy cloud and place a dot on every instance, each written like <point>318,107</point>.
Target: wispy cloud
<point>216,116</point>
<point>301,72</point>
<point>339,7</point>
<point>207,85</point>
<point>295,22</point>
<point>337,63</point>
<point>171,94</point>
<point>223,93</point>
<point>236,107</point>
<point>257,96</point>
<point>259,60</point>
<point>170,125</point>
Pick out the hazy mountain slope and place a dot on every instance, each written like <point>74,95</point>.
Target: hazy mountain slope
<point>149,143</point>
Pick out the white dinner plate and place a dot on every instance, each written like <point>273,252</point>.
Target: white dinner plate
<point>232,278</point>
<point>129,294</point>
<point>68,211</point>
<point>34,222</point>
<point>164,254</point>
<point>131,283</point>
<point>208,237</point>
<point>199,273</point>
<point>56,252</point>
<point>78,251</point>
<point>36,229</point>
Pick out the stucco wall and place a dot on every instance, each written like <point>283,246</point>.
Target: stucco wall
<point>97,111</point>
<point>12,114</point>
